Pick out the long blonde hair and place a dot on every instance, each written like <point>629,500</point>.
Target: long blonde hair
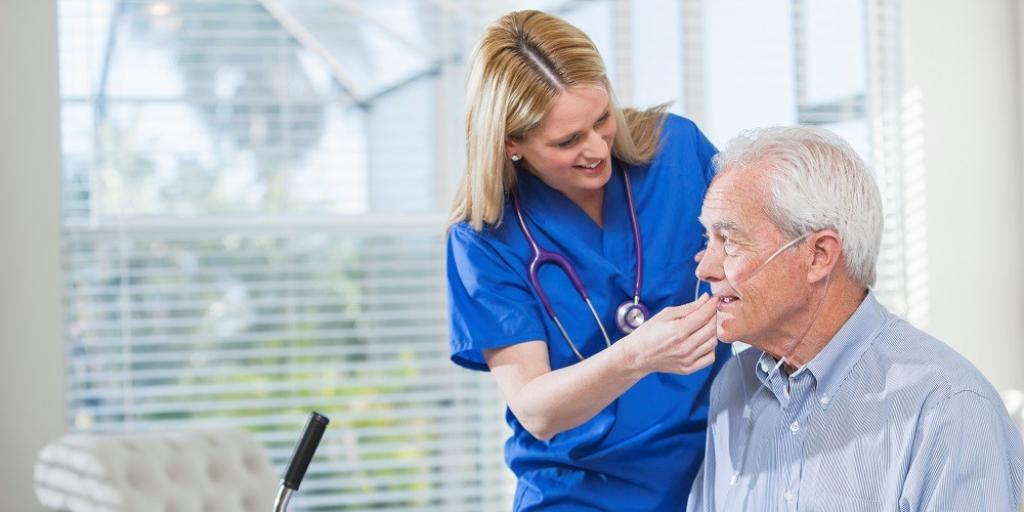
<point>521,64</point>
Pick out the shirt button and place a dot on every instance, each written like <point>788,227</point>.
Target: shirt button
<point>764,366</point>
<point>824,400</point>
<point>795,426</point>
<point>788,496</point>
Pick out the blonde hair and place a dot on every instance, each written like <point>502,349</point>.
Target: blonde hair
<point>517,70</point>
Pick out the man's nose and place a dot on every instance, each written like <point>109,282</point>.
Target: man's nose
<point>709,265</point>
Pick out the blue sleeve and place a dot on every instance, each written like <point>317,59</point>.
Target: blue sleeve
<point>706,152</point>
<point>967,456</point>
<point>490,306</point>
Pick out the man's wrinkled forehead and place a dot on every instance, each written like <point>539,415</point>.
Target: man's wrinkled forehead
<point>730,201</point>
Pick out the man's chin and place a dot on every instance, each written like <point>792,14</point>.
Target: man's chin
<point>727,333</point>
<point>728,339</point>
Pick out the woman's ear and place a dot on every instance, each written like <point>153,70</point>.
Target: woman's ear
<point>828,249</point>
<point>512,147</point>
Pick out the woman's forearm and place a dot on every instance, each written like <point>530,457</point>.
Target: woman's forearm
<point>679,339</point>
<point>559,400</point>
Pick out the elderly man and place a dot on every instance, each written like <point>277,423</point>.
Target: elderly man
<point>839,405</point>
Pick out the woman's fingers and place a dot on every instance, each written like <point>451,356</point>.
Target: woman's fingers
<point>704,353</point>
<point>674,312</point>
<point>680,337</point>
<point>701,363</point>
<point>700,316</point>
<point>700,342</point>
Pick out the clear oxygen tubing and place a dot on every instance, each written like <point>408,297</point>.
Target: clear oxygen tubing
<point>734,479</point>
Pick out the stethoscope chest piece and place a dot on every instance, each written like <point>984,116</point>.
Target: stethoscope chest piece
<point>630,315</point>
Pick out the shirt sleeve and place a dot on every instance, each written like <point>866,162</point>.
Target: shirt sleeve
<point>489,304</point>
<point>967,456</point>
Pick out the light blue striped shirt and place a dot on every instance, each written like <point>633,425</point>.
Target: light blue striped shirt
<point>885,417</point>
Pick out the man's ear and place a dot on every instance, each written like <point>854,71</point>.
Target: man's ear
<point>828,249</point>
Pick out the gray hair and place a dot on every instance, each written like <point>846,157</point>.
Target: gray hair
<point>817,181</point>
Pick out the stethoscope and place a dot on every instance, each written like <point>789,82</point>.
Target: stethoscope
<point>628,316</point>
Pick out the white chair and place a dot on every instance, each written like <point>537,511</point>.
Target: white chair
<point>206,471</point>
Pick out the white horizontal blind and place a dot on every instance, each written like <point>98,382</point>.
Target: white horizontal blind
<point>252,327</point>
<point>254,230</point>
<point>896,126</point>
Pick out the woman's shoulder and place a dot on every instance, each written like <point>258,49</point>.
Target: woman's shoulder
<point>680,123</point>
<point>684,150</point>
<point>489,237</point>
<point>462,234</point>
<point>679,132</point>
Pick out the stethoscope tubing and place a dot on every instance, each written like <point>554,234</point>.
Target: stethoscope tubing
<point>542,256</point>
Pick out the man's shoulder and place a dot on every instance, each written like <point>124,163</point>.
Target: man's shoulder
<point>907,355</point>
<point>901,357</point>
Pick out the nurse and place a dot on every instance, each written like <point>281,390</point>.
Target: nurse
<point>570,274</point>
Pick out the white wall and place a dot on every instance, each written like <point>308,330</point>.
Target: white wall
<point>31,342</point>
<point>962,57</point>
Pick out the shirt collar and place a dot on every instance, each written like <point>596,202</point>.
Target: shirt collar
<point>831,366</point>
<point>771,375</point>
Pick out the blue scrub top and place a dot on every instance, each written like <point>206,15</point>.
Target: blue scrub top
<point>642,451</point>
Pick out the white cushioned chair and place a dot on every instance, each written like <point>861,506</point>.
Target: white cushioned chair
<point>206,471</point>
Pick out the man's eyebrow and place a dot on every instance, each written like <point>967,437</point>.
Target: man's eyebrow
<point>727,226</point>
<point>722,225</point>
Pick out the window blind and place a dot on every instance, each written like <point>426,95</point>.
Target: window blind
<point>253,229</point>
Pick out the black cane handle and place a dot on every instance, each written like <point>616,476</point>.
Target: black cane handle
<point>315,426</point>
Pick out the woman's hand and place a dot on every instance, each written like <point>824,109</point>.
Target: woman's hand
<point>679,339</point>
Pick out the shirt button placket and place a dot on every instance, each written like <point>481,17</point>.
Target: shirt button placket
<point>796,430</point>
<point>790,498</point>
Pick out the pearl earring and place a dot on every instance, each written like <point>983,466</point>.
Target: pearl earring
<point>515,158</point>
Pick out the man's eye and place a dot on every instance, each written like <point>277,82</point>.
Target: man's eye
<point>729,248</point>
